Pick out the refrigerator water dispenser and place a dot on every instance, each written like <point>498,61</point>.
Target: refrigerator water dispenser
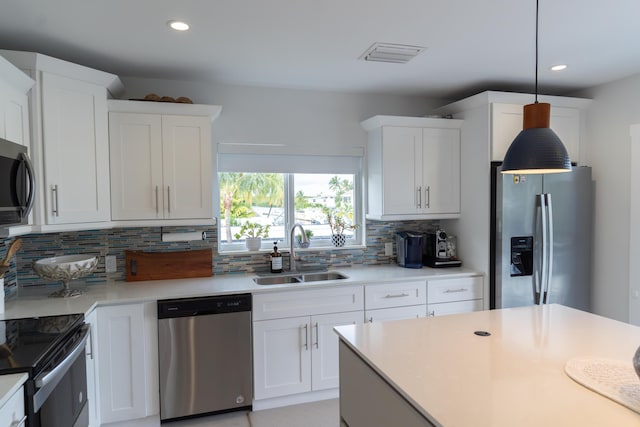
<point>522,256</point>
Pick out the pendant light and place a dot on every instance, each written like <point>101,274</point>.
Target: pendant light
<point>537,149</point>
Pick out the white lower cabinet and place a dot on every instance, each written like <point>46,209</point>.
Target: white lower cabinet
<point>395,313</point>
<point>92,395</point>
<point>395,300</point>
<point>12,412</point>
<point>126,358</point>
<point>300,354</point>
<point>452,296</point>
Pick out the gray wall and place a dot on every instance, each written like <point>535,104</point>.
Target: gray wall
<point>296,118</point>
<point>615,108</point>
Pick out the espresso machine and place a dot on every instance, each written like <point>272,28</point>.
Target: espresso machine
<point>440,250</point>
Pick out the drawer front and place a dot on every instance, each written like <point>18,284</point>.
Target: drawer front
<point>397,294</point>
<point>444,308</point>
<point>448,290</point>
<point>278,305</point>
<point>12,413</point>
<point>395,313</point>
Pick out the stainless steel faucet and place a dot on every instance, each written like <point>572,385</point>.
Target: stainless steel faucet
<point>292,254</point>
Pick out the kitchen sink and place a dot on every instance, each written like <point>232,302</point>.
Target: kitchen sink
<point>297,278</point>
<point>276,280</point>
<point>316,277</point>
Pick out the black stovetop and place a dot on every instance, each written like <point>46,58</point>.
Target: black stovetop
<point>26,344</point>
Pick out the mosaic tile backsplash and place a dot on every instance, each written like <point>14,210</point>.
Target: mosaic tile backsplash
<point>115,241</point>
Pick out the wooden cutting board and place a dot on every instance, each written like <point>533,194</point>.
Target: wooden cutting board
<point>168,265</point>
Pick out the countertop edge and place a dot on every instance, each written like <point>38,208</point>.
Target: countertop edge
<point>121,292</point>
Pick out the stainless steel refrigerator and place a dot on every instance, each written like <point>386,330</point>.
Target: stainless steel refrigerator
<point>541,238</point>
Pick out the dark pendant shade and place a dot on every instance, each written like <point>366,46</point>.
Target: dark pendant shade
<point>537,149</point>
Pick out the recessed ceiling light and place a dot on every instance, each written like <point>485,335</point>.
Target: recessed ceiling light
<point>559,67</point>
<point>178,25</point>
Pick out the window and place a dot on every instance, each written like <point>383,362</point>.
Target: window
<point>272,202</point>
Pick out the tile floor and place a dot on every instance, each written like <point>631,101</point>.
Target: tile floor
<point>316,414</point>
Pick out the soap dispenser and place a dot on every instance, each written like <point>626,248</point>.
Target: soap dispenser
<point>276,259</point>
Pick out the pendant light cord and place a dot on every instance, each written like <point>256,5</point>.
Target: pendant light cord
<point>537,7</point>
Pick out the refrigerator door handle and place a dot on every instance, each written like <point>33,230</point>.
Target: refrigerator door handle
<point>549,259</point>
<point>541,275</point>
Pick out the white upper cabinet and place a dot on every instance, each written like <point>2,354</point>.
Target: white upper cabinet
<point>14,103</point>
<point>506,124</point>
<point>76,150</point>
<point>161,161</point>
<point>413,168</point>
<point>69,146</point>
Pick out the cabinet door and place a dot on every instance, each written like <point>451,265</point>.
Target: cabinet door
<point>441,170</point>
<point>76,150</point>
<point>121,364</point>
<point>395,313</point>
<point>281,357</point>
<point>135,145</point>
<point>14,115</point>
<point>187,167</point>
<point>506,124</point>
<point>400,164</point>
<point>324,347</point>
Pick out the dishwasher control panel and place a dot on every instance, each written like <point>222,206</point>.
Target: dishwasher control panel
<point>185,307</point>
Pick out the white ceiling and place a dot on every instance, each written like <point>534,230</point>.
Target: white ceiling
<point>472,45</point>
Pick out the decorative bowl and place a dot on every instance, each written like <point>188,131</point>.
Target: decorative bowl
<point>65,268</point>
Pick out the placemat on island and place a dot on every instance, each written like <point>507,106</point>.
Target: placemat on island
<point>611,378</point>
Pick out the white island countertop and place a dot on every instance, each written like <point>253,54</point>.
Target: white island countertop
<point>514,377</point>
<point>36,303</point>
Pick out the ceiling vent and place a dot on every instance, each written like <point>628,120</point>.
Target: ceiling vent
<point>390,52</point>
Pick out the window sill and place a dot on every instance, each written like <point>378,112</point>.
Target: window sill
<point>285,251</point>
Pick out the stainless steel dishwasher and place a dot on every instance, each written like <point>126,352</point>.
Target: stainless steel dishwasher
<point>204,355</point>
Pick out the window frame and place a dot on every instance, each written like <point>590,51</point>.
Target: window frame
<point>317,243</point>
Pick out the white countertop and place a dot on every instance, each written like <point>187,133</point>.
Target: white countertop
<point>39,304</point>
<point>515,377</point>
<point>9,384</point>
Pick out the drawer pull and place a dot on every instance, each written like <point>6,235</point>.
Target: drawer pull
<point>402,295</point>
<point>450,291</point>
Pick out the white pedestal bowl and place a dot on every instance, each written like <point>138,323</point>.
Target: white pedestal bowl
<point>65,269</point>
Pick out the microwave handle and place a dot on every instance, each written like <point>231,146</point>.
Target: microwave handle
<point>32,183</point>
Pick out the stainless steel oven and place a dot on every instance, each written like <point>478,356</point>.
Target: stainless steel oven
<point>52,351</point>
<point>17,184</point>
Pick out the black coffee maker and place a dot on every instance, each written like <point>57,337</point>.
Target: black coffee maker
<point>410,247</point>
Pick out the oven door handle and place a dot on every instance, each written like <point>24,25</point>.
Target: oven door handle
<point>47,381</point>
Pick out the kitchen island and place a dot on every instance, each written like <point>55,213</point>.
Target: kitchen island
<point>437,371</point>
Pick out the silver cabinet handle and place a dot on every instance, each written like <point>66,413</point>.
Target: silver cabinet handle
<point>450,291</point>
<point>317,336</point>
<point>402,295</point>
<point>54,200</point>
<point>89,347</point>
<point>419,191</point>
<point>306,336</point>
<point>427,195</point>
<point>157,206</point>
<point>169,199</point>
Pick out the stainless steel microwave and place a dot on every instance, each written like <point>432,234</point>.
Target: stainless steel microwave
<point>17,184</point>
